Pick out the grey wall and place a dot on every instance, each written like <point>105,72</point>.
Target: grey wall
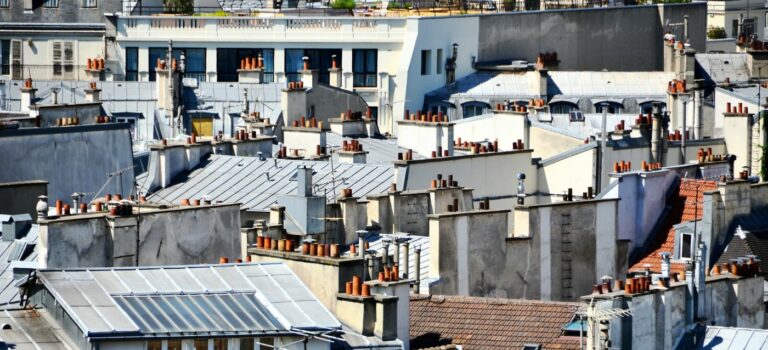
<point>192,235</point>
<point>329,102</point>
<point>72,159</point>
<point>618,38</point>
<point>69,11</point>
<point>21,197</point>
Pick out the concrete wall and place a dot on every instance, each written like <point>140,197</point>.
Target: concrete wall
<point>84,111</point>
<point>576,172</point>
<point>21,197</point>
<point>425,137</point>
<point>179,236</point>
<point>72,159</point>
<point>614,38</point>
<point>328,102</point>
<point>547,143</point>
<point>506,128</point>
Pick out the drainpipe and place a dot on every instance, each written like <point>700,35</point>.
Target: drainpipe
<point>656,135</point>
<point>690,296</point>
<point>699,99</point>
<point>685,128</point>
<point>417,271</point>
<point>701,282</point>
<point>603,146</point>
<point>406,261</point>
<point>397,255</point>
<point>385,254</point>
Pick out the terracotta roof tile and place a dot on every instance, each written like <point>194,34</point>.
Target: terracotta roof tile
<point>489,323</point>
<point>686,206</point>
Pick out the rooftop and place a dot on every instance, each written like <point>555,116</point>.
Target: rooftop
<point>256,183</point>
<point>12,254</point>
<point>490,323</point>
<point>685,206</point>
<point>720,66</point>
<point>228,299</point>
<point>728,338</point>
<point>30,329</point>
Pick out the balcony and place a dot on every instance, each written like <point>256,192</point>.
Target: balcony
<point>265,29</point>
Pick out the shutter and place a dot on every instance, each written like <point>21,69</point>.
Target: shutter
<point>69,59</point>
<point>57,55</point>
<point>16,67</point>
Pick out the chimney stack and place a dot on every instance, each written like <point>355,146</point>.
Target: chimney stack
<point>293,102</point>
<point>335,77</point>
<point>308,76</point>
<point>27,95</point>
<point>304,182</point>
<point>93,93</point>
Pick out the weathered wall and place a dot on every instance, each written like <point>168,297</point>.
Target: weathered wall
<point>194,235</point>
<point>72,159</point>
<point>84,111</point>
<point>21,197</point>
<point>425,138</point>
<point>616,38</point>
<point>580,170</point>
<point>329,102</point>
<point>546,143</point>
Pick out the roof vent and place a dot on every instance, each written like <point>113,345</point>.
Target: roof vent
<point>6,327</point>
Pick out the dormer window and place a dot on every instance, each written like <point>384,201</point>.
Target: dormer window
<point>684,242</point>
<point>610,107</point>
<point>562,107</point>
<point>576,116</point>
<point>474,108</point>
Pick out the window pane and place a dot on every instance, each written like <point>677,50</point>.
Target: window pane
<point>154,345</point>
<point>201,344</point>
<point>685,246</point>
<point>266,343</point>
<point>246,344</point>
<point>174,344</point>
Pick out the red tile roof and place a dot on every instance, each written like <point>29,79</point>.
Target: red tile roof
<point>683,209</point>
<point>489,323</point>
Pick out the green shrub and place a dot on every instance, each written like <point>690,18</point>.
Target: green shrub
<point>179,6</point>
<point>716,33</point>
<point>343,4</point>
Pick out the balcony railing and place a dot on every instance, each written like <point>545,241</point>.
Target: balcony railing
<point>342,29</point>
<point>44,72</point>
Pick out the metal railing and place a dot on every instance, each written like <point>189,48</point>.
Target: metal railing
<point>45,72</point>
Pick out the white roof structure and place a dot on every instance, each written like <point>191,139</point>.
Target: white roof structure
<point>228,299</point>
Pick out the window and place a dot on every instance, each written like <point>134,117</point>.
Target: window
<point>228,62</point>
<point>194,61</point>
<point>5,57</point>
<point>319,59</point>
<point>471,109</point>
<point>201,344</point>
<point>63,59</point>
<point>439,61</point>
<point>16,55</point>
<point>562,107</point>
<point>5,3</point>
<point>132,63</point>
<point>266,343</point>
<point>365,67</point>
<point>219,344</point>
<point>247,344</point>
<point>88,3</point>
<point>130,120</point>
<point>647,107</point>
<point>426,60</point>
<point>174,344</point>
<point>575,116</point>
<point>611,107</point>
<point>51,3</point>
<point>155,345</point>
<point>686,245</point>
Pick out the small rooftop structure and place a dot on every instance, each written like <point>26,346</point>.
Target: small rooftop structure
<point>232,299</point>
<point>490,323</point>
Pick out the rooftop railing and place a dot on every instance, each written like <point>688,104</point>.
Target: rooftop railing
<point>262,28</point>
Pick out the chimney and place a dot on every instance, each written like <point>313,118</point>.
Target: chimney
<point>93,93</point>
<point>308,76</point>
<point>656,134</point>
<point>27,95</point>
<point>304,182</point>
<point>293,102</point>
<point>42,207</point>
<point>251,70</point>
<point>335,77</point>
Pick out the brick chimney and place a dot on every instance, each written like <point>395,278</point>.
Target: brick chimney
<point>335,76</point>
<point>293,102</point>
<point>168,85</point>
<point>93,93</point>
<point>308,76</point>
<point>251,70</point>
<point>27,95</point>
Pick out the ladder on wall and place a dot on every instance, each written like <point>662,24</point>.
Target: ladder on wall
<point>566,257</point>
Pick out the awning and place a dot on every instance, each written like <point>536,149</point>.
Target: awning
<point>619,101</point>
<point>561,99</point>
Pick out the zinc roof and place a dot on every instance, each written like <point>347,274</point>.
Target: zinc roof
<point>11,253</point>
<point>726,338</point>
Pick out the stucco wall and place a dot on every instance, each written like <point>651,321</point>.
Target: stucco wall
<point>328,102</point>
<point>72,159</point>
<point>615,38</point>
<point>193,235</point>
<point>21,197</point>
<point>546,143</point>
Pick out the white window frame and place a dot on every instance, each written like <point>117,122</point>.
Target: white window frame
<point>89,4</point>
<point>5,3</point>
<point>680,246</point>
<point>16,61</point>
<point>63,59</point>
<point>51,4</point>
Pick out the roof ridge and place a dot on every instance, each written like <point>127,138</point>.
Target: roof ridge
<point>486,300</point>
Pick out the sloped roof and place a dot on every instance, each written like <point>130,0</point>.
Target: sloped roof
<point>29,329</point>
<point>686,206</point>
<point>380,150</point>
<point>489,323</point>
<point>11,253</point>
<point>265,298</point>
<point>227,98</point>
<point>727,338</point>
<point>256,183</point>
<point>750,238</point>
<point>719,66</point>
